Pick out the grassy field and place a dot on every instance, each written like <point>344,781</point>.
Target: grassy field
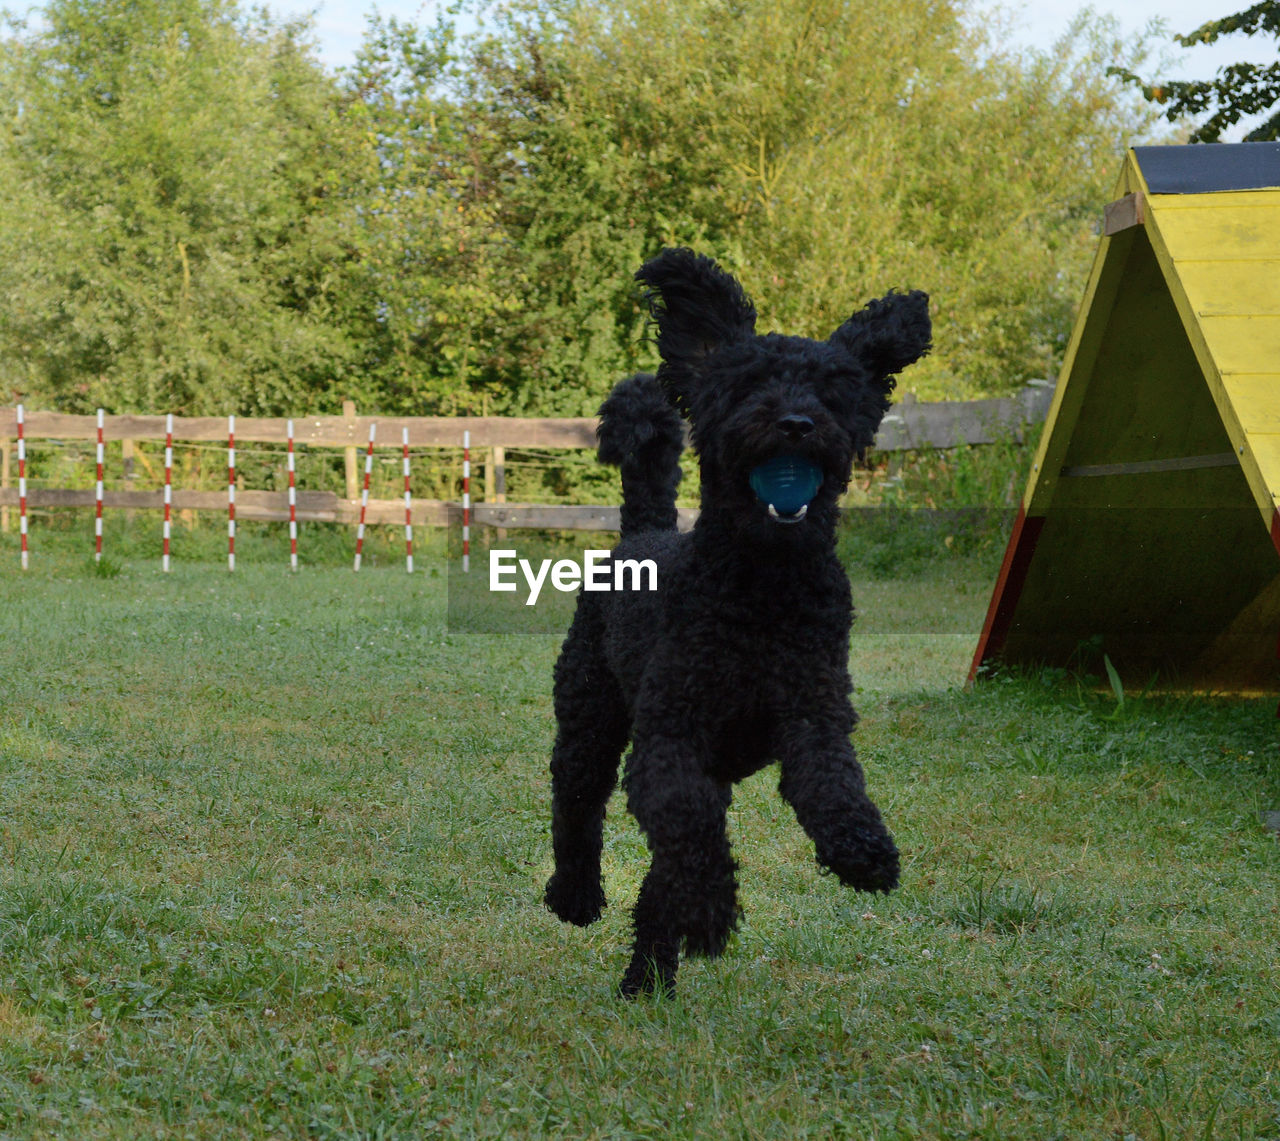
<point>272,850</point>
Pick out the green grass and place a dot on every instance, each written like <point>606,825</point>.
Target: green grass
<point>272,850</point>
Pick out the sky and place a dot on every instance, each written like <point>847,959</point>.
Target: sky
<point>339,24</point>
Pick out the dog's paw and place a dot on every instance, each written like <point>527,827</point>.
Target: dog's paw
<point>574,900</point>
<point>871,865</point>
<point>870,877</point>
<point>648,977</point>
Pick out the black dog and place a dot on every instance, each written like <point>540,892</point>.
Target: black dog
<point>740,657</point>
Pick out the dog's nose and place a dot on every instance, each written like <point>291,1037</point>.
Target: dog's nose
<point>795,427</point>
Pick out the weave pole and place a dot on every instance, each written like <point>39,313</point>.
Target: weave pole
<point>22,485</point>
<point>231,493</point>
<point>293,507</point>
<point>408,509</point>
<point>466,502</point>
<point>364,496</point>
<point>97,518</point>
<point>168,489</point>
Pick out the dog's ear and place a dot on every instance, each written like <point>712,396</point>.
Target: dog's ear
<point>888,334</point>
<point>698,308</point>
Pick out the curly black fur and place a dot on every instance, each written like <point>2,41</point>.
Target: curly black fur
<point>643,435</point>
<point>740,658</point>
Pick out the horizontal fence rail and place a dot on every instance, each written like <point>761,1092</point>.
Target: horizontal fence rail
<point>910,425</point>
<point>317,431</point>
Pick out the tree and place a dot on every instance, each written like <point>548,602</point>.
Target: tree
<point>438,262</point>
<point>1238,91</point>
<point>170,237</point>
<point>825,150</point>
<point>198,218</point>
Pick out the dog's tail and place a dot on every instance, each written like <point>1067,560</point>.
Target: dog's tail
<point>642,434</point>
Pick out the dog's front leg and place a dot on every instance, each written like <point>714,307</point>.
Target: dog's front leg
<point>690,891</point>
<point>823,782</point>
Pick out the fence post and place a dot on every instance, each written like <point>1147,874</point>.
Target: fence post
<point>906,400</point>
<point>495,482</point>
<point>495,475</point>
<point>353,488</point>
<point>4,480</point>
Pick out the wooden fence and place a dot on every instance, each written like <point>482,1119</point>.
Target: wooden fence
<point>910,425</point>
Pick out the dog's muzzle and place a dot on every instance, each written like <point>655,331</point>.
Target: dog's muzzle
<point>786,485</point>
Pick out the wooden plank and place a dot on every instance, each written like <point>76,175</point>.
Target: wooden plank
<point>446,431</point>
<point>322,431</point>
<point>1124,213</point>
<point>349,454</point>
<point>1264,449</point>
<point>1008,589</point>
<point>1256,399</point>
<point>940,424</point>
<point>1243,344</point>
<point>1201,228</point>
<point>4,480</point>
<point>503,432</point>
<point>1216,200</point>
<point>561,517</point>
<point>546,516</point>
<point>268,506</point>
<point>496,476</point>
<point>1152,467</point>
<point>1077,367</point>
<point>949,425</point>
<point>1223,288</point>
<point>326,507</point>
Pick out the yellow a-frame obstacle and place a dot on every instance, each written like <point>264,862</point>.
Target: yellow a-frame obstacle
<point>1150,520</point>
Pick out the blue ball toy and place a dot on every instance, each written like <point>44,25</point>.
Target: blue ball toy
<point>787,483</point>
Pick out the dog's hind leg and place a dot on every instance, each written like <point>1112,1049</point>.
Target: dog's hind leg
<point>690,892</point>
<point>655,952</point>
<point>591,735</point>
<point>823,782</point>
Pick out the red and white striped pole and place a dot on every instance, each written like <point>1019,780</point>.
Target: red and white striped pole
<point>231,493</point>
<point>364,496</point>
<point>408,509</point>
<point>97,519</point>
<point>22,486</point>
<point>293,508</point>
<point>466,502</point>
<point>168,488</point>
